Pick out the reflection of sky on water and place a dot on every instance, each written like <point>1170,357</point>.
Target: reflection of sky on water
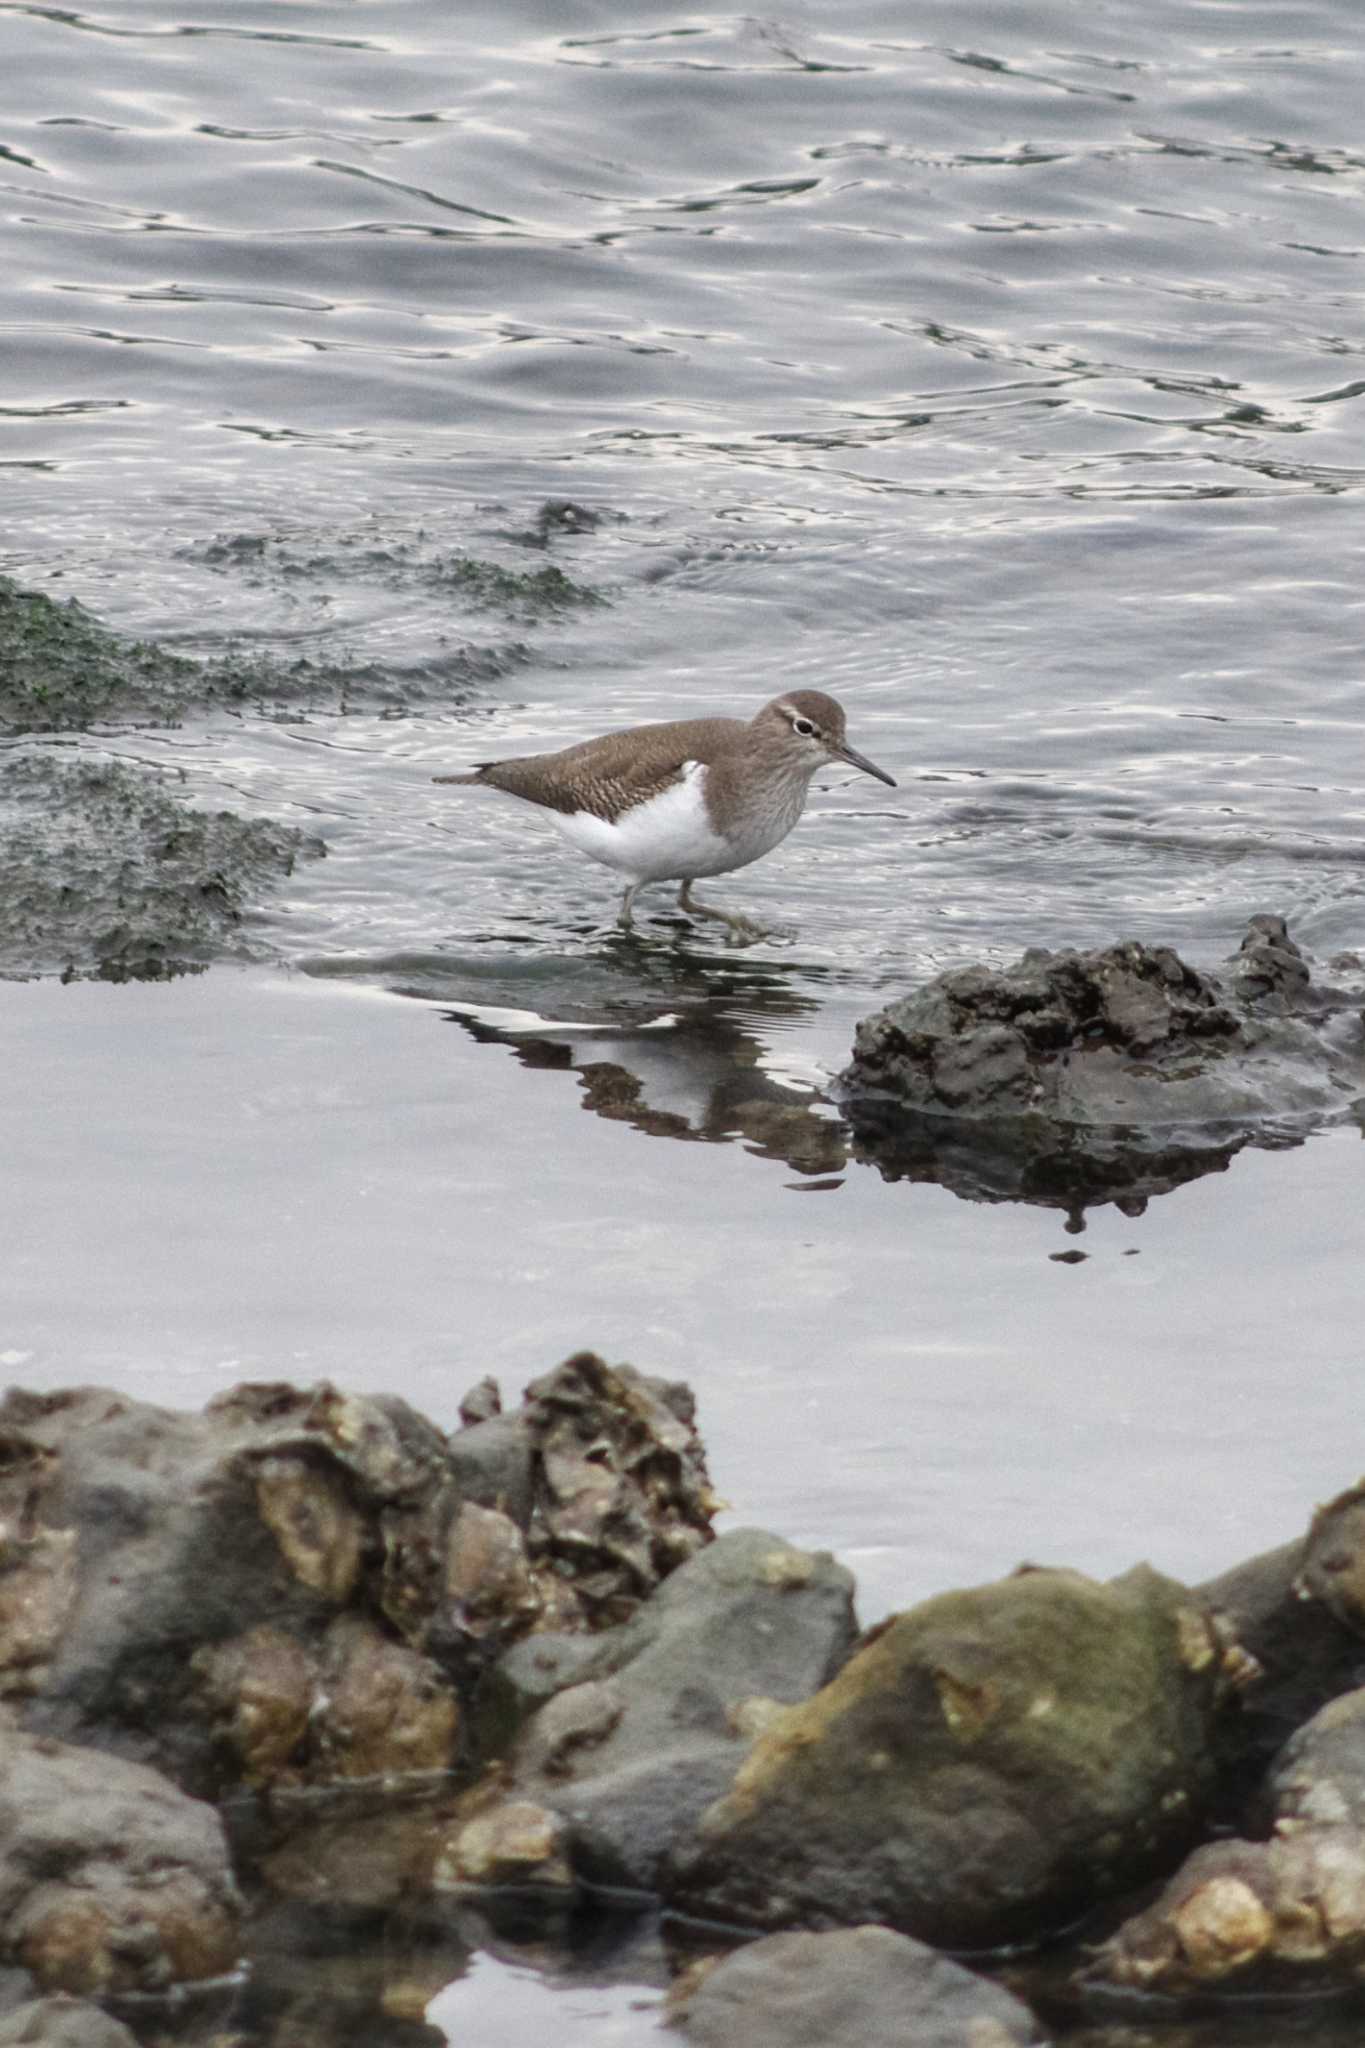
<point>256,1177</point>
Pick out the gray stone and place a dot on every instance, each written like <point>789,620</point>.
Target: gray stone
<point>160,1535</point>
<point>859,1987</point>
<point>492,1466</point>
<point>63,2022</point>
<point>622,1491</point>
<point>1318,1779</point>
<point>482,1402</point>
<point>984,1767</point>
<point>1248,1917</point>
<point>1305,1648</point>
<point>302,1584</point>
<point>110,1878</point>
<point>662,1710</point>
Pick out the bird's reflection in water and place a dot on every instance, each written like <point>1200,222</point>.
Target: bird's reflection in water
<point>666,1040</point>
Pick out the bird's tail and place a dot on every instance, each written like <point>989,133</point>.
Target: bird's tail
<point>476,776</point>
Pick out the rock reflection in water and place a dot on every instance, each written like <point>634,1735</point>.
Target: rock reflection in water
<point>415,1971</point>
<point>1032,1160</point>
<point>1073,1079</point>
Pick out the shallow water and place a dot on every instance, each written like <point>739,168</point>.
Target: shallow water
<point>999,368</point>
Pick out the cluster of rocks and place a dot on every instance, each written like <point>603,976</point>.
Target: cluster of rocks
<point>515,1662</point>
<point>1075,1078</point>
<point>294,1589</point>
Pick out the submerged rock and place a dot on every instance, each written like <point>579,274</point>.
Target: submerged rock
<point>110,1878</point>
<point>61,670</point>
<point>862,1987</point>
<point>1072,1078</point>
<point>985,1765</point>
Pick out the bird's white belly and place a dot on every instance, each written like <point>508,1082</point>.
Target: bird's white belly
<point>669,838</point>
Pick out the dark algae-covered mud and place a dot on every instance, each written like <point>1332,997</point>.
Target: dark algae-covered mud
<point>61,671</point>
<point>105,870</point>
<point>106,874</point>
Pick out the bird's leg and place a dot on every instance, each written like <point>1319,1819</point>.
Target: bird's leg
<point>625,916</point>
<point>743,930</point>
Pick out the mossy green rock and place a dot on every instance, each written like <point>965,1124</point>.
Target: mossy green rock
<point>985,1765</point>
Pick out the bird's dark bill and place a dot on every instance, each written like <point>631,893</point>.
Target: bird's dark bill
<point>857,760</point>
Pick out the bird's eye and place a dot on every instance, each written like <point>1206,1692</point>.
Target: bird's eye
<point>804,727</point>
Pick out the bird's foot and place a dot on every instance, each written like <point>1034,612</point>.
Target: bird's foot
<point>744,931</point>
<point>740,930</point>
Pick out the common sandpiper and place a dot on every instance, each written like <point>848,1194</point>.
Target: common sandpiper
<point>698,796</point>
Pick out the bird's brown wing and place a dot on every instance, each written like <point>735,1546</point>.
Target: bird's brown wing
<point>612,774</point>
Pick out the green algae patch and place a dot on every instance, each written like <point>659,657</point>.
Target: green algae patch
<point>61,671</point>
<point>105,875</point>
<point>520,593</point>
<point>418,562</point>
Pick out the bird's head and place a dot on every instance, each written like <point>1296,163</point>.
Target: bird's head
<point>810,729</point>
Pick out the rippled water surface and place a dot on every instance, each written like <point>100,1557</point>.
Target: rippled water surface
<point>997,366</point>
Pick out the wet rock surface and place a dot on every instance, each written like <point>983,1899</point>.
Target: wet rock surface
<point>1266,1916</point>
<point>862,1987</point>
<point>106,875</point>
<point>111,1880</point>
<point>1073,1078</point>
<point>63,2022</point>
<point>986,1765</point>
<point>1304,1653</point>
<point>495,1687</point>
<point>1245,1916</point>
<point>635,1732</point>
<point>295,1586</point>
